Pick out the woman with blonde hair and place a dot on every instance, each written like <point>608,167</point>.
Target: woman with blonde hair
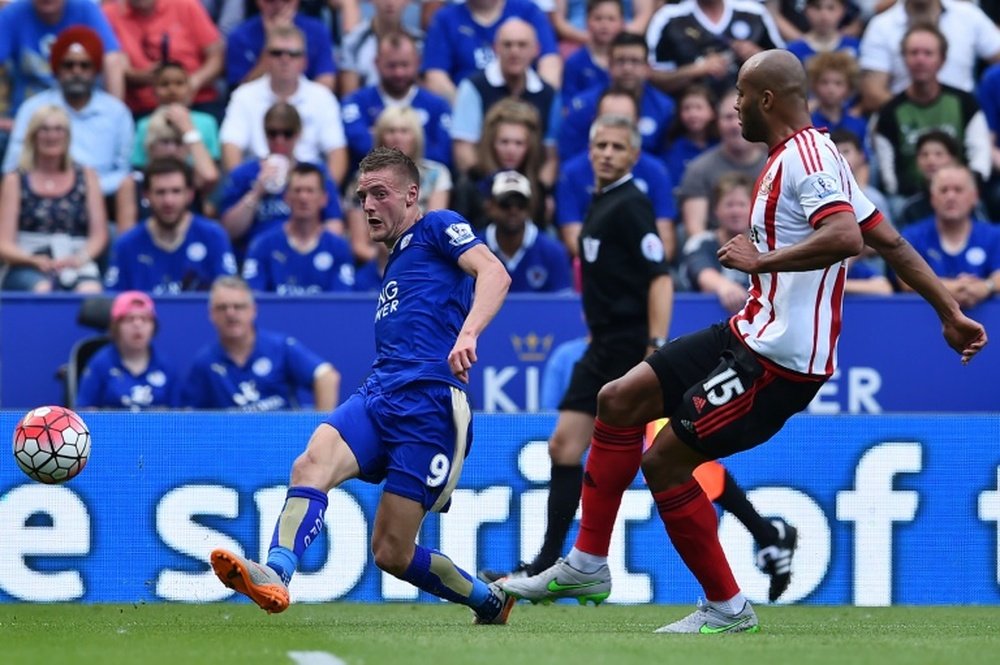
<point>53,224</point>
<point>400,127</point>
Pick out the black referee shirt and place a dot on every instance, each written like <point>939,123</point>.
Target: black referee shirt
<point>621,253</point>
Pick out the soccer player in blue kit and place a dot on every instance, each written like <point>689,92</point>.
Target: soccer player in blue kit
<point>410,422</point>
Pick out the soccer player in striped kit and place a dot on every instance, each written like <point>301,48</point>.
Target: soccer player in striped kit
<point>732,386</point>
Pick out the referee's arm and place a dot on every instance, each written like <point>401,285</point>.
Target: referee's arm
<point>661,307</point>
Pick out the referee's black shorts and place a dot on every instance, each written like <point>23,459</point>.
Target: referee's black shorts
<point>720,397</point>
<point>608,357</point>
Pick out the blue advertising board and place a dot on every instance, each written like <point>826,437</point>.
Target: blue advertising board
<point>892,356</point>
<point>891,509</point>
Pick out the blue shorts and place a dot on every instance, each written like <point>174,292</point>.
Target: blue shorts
<point>415,438</point>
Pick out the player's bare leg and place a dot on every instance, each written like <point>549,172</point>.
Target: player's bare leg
<point>326,463</point>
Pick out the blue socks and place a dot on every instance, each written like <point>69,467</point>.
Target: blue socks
<point>299,524</point>
<point>436,574</point>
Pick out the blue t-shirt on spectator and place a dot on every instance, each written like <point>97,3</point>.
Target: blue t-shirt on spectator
<point>272,264</point>
<point>278,375</point>
<point>540,265</point>
<point>25,42</point>
<point>107,384</point>
<point>245,46</point>
<point>137,263</point>
<point>272,211</point>
<point>581,73</point>
<point>656,112</point>
<point>980,257</point>
<point>361,109</point>
<point>801,49</point>
<point>460,46</point>
<point>575,188</point>
<point>988,92</point>
<point>849,122</point>
<point>680,152</point>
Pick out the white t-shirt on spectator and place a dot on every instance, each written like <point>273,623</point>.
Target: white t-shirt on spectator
<point>971,34</point>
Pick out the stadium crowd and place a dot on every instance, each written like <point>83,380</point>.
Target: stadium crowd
<point>157,145</point>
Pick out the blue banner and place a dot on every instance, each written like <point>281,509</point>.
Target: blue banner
<point>892,355</point>
<point>890,510</point>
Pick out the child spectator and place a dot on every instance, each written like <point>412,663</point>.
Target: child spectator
<point>833,79</point>
<point>588,66</point>
<point>824,35</point>
<point>693,131</point>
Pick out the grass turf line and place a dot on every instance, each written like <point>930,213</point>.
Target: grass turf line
<point>223,633</point>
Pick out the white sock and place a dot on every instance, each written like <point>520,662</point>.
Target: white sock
<point>732,607</point>
<point>585,563</point>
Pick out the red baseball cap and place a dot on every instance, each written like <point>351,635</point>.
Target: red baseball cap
<point>132,302</point>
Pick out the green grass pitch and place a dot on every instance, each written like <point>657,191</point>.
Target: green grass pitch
<point>356,634</point>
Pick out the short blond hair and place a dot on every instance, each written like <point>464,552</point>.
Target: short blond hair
<point>28,160</point>
<point>394,116</point>
<point>160,129</point>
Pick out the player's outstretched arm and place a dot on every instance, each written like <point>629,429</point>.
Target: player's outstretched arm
<point>492,282</point>
<point>963,334</point>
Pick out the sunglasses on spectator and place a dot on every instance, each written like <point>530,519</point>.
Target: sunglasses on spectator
<point>512,203</point>
<point>82,65</point>
<point>273,133</point>
<point>290,52</point>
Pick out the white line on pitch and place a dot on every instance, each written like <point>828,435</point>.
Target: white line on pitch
<point>314,658</point>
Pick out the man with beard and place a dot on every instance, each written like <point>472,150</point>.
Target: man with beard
<point>732,386</point>
<point>397,61</point>
<point>174,250</point>
<point>101,125</point>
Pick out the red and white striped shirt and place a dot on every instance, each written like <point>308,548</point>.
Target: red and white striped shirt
<point>794,318</point>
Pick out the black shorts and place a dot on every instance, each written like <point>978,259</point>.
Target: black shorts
<point>720,397</point>
<point>607,358</point>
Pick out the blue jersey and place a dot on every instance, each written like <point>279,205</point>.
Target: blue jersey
<point>581,73</point>
<point>272,264</point>
<point>361,109</point>
<point>25,42</point>
<point>680,153</point>
<point>848,121</point>
<point>656,112</point>
<point>980,257</point>
<point>460,46</point>
<point>245,46</point>
<point>137,263</point>
<point>277,375</point>
<point>801,49</point>
<point>368,277</point>
<point>107,384</point>
<point>988,93</point>
<point>540,265</point>
<point>423,302</point>
<point>272,211</point>
<point>573,198</point>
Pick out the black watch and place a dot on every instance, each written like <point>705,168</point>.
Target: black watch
<point>657,342</point>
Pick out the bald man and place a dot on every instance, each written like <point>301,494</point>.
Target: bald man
<point>732,386</point>
<point>510,75</point>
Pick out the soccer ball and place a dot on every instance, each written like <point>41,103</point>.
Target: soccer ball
<point>51,444</point>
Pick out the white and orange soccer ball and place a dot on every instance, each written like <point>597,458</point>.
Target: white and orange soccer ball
<point>51,444</point>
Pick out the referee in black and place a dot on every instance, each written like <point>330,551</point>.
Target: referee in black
<point>627,301</point>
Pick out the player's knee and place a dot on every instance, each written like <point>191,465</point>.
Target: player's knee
<point>616,404</point>
<point>305,469</point>
<point>390,556</point>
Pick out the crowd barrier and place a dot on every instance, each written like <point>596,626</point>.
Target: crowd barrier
<point>890,509</point>
<point>892,355</point>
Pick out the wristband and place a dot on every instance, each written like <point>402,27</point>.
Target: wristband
<point>657,342</point>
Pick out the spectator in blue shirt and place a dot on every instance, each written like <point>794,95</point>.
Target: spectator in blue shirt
<point>28,29</point>
<point>963,251</point>
<point>397,61</point>
<point>576,184</point>
<point>248,369</point>
<point>588,66</point>
<point>460,42</point>
<point>301,256</point>
<point>833,80</point>
<point>174,250</point>
<point>102,127</point>
<point>129,373</point>
<point>825,18</point>
<point>245,44</point>
<point>629,70</point>
<point>536,262</point>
